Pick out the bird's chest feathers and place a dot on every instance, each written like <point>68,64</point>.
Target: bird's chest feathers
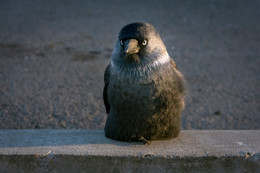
<point>137,75</point>
<point>144,80</point>
<point>140,88</point>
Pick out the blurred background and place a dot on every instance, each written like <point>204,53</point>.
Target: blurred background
<point>53,55</point>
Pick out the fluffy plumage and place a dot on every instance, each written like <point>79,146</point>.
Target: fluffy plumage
<point>144,92</point>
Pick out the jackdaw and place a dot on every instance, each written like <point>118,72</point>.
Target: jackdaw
<point>144,92</point>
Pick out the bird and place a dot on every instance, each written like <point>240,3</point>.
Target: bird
<point>144,93</point>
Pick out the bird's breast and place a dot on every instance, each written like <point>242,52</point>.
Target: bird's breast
<point>141,92</point>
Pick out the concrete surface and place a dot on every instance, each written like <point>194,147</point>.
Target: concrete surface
<point>53,55</point>
<point>88,150</point>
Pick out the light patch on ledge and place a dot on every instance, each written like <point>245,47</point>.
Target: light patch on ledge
<point>240,143</point>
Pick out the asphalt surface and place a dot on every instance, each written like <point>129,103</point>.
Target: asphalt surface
<point>53,55</point>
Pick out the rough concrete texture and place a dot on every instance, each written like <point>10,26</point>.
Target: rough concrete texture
<point>88,150</point>
<point>53,55</point>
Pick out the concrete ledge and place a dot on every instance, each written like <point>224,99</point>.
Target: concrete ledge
<point>90,151</point>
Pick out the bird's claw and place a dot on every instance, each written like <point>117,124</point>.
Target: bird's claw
<point>140,139</point>
<point>144,141</point>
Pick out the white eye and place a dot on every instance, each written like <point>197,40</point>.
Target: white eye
<point>122,43</point>
<point>144,42</point>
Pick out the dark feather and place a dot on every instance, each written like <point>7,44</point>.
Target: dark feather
<point>105,95</point>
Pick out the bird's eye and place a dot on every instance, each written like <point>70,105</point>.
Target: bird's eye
<point>122,43</point>
<point>144,42</point>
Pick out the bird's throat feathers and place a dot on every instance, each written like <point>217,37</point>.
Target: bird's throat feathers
<point>133,58</point>
<point>138,68</point>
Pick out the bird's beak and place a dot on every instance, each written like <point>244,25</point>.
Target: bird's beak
<point>131,46</point>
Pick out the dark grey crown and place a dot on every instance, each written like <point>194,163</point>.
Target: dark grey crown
<point>139,31</point>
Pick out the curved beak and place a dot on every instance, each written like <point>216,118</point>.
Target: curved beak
<point>131,46</point>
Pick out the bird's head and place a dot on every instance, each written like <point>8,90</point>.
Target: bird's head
<point>138,44</point>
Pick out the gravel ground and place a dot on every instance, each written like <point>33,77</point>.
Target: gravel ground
<point>53,55</point>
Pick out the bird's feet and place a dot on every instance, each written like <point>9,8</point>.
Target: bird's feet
<point>141,139</point>
<point>144,141</point>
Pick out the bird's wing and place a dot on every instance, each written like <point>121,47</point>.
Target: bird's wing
<point>173,63</point>
<point>181,84</point>
<point>105,92</point>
